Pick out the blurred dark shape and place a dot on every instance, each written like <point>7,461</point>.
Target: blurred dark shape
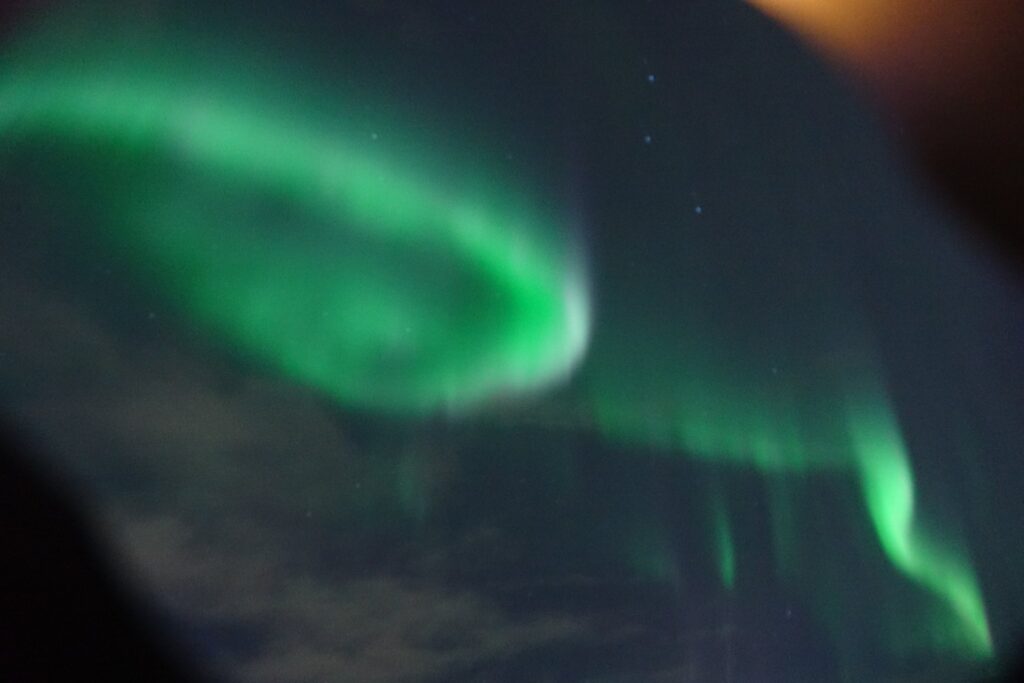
<point>1013,673</point>
<point>950,76</point>
<point>63,613</point>
<point>12,12</point>
<point>972,148</point>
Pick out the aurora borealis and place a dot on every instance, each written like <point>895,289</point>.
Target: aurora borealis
<point>403,296</point>
<point>521,399</point>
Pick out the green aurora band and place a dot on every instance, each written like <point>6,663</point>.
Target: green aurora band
<point>403,294</point>
<point>887,481</point>
<point>851,430</point>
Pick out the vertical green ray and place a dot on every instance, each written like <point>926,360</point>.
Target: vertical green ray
<point>887,482</point>
<point>725,548</point>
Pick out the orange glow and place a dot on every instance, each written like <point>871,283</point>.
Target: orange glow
<point>949,74</point>
<point>909,51</point>
<point>845,29</point>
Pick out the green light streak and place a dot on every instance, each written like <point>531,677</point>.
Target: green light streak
<point>725,548</point>
<point>811,429</point>
<point>391,289</point>
<point>388,289</point>
<point>888,488</point>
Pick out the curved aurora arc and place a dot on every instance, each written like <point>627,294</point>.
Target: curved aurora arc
<point>499,308</point>
<point>460,300</point>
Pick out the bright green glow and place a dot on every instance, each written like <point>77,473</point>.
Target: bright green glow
<point>888,486</point>
<point>387,288</point>
<point>365,275</point>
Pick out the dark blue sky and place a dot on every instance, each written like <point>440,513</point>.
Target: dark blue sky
<point>743,203</point>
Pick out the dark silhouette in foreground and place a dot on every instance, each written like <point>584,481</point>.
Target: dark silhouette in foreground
<point>64,614</point>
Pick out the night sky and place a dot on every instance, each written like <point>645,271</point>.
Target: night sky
<point>402,341</point>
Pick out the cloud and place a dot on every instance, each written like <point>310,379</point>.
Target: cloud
<point>313,627</point>
<point>220,488</point>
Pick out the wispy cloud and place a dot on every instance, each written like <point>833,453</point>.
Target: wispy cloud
<point>221,488</point>
<point>313,627</point>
